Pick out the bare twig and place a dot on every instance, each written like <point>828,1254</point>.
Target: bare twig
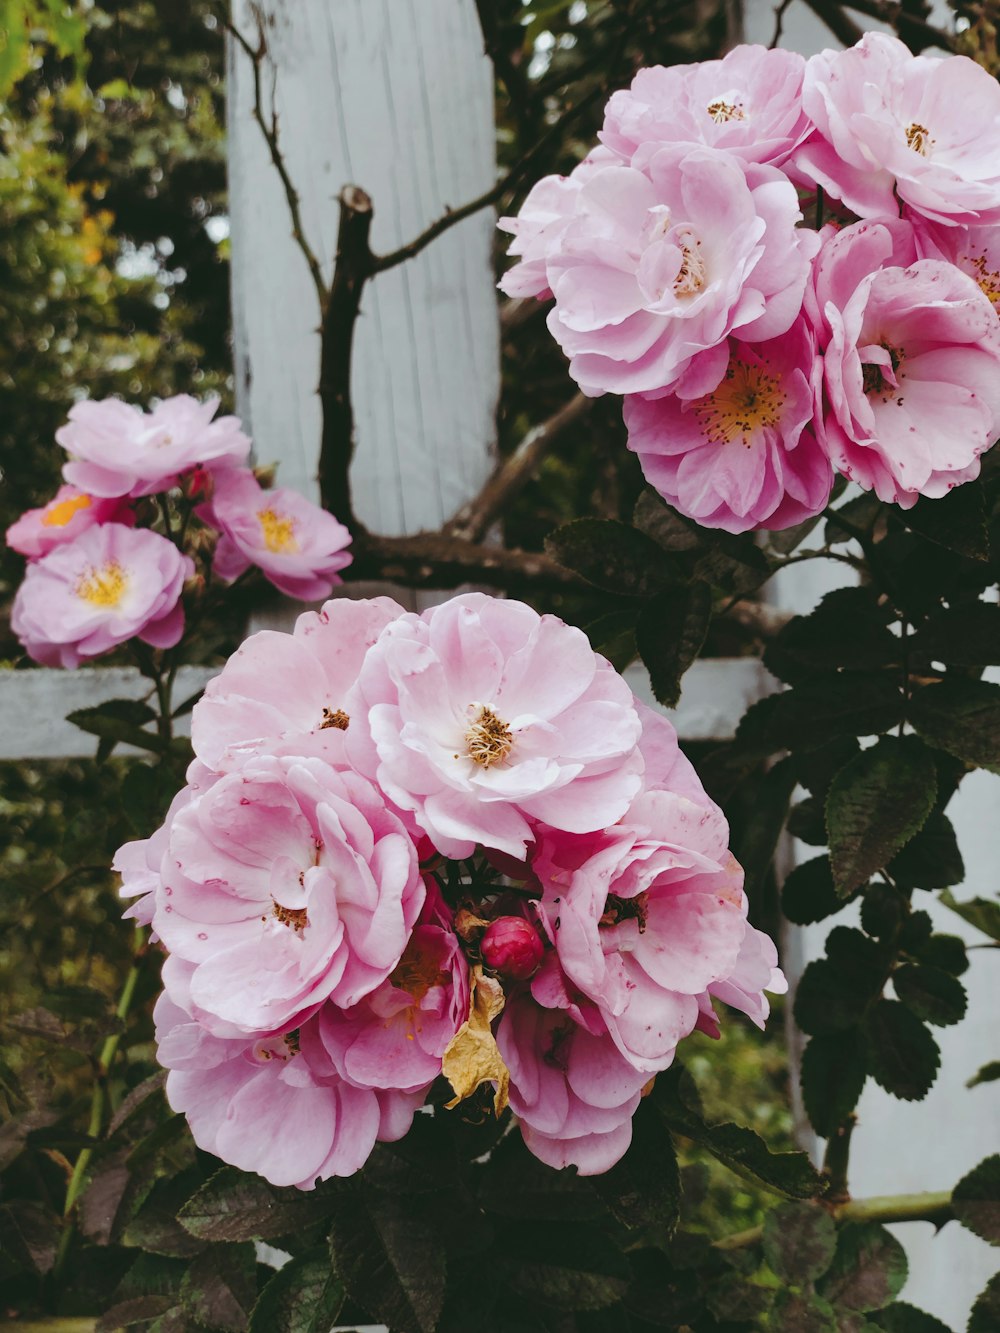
<point>840,24</point>
<point>779,22</point>
<point>909,26</point>
<point>474,519</point>
<point>436,560</point>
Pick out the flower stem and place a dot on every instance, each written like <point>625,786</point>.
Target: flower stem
<point>931,1207</point>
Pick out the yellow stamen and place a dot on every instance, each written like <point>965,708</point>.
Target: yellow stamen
<point>489,738</point>
<point>691,277</point>
<point>338,719</point>
<point>278,530</point>
<point>747,400</point>
<point>721,111</point>
<point>417,972</point>
<point>295,917</point>
<point>988,279</point>
<point>59,514</point>
<point>103,587</point>
<point>918,137</point>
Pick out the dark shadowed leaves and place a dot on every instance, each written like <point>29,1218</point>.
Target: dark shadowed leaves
<point>305,1296</point>
<point>875,805</point>
<point>931,993</point>
<point>669,634</point>
<point>614,556</point>
<point>931,859</point>
<point>860,703</point>
<point>118,721</point>
<point>956,521</point>
<point>976,1199</point>
<point>902,1055</point>
<point>233,1206</point>
<point>220,1287</point>
<point>985,1316</point>
<point>967,636</point>
<point>799,1241</point>
<point>644,1188</point>
<point>832,1076</point>
<point>961,717</point>
<point>516,1184</point>
<point>808,894</point>
<point>567,1267</point>
<point>902,1318</point>
<point>868,1270</point>
<point>983,913</point>
<point>848,629</point>
<point>835,992</point>
<point>29,1234</point>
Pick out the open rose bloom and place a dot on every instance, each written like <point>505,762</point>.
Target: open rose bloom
<point>326,966</point>
<point>755,357</point>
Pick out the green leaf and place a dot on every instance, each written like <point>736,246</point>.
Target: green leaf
<point>14,48</point>
<point>861,512</point>
<point>902,1318</point>
<point>666,527</point>
<point>388,1258</point>
<point>902,1056</point>
<point>785,541</point>
<point>868,1270</point>
<point>220,1287</point>
<point>733,563</point>
<point>931,993</point>
<point>848,629</point>
<point>613,635</point>
<point>135,1310</point>
<point>516,1184</point>
<point>961,717</point>
<point>803,1312</point>
<point>303,1297</point>
<point>983,913</point>
<point>669,634</point>
<point>965,636</point>
<point>29,1234</point>
<point>875,805</point>
<point>944,951</point>
<point>835,992</point>
<point>755,846</point>
<point>824,710</point>
<point>613,556</point>
<point>956,521</point>
<point>931,859</point>
<point>832,1076</point>
<point>119,721</point>
<point>985,1316</point>
<point>976,1199</point>
<point>883,910</point>
<point>566,1267</point>
<point>808,894</point>
<point>799,1241</point>
<point>233,1206</point>
<point>644,1188</point>
<point>987,1073</point>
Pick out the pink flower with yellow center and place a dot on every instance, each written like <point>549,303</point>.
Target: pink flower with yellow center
<point>299,547</point>
<point>67,514</point>
<point>111,584</point>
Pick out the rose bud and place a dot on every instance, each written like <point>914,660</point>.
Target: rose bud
<point>511,946</point>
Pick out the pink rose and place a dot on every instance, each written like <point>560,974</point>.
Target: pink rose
<point>661,264</point>
<point>749,103</point>
<point>283,885</point>
<point>111,584</point>
<point>976,251</point>
<point>911,369</point>
<point>67,514</point>
<point>512,947</point>
<point>116,449</point>
<point>285,693</point>
<point>485,718</point>
<point>890,123</point>
<point>744,455</point>
<point>299,547</point>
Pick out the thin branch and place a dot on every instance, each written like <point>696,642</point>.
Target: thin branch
<point>906,24</point>
<point>436,560</point>
<point>474,519</point>
<point>934,1208</point>
<point>840,24</point>
<point>520,93</point>
<point>779,22</point>
<point>835,1161</point>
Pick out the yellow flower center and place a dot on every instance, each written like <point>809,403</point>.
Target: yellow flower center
<point>294,917</point>
<point>691,276</point>
<point>988,279</point>
<point>918,137</point>
<point>59,514</point>
<point>747,400</point>
<point>278,531</point>
<point>488,738</point>
<point>417,972</point>
<point>721,111</point>
<point>103,587</point>
<point>339,719</point>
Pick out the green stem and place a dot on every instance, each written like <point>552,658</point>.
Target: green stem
<point>835,1160</point>
<point>932,1207</point>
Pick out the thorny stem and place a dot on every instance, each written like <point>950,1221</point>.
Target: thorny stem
<point>930,1207</point>
<point>838,1148</point>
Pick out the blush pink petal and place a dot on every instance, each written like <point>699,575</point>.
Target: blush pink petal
<point>69,513</point>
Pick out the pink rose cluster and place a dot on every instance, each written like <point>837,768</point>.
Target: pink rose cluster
<point>757,355</point>
<point>109,556</point>
<point>423,846</point>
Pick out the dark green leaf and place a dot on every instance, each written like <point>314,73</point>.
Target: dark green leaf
<point>755,846</point>
<point>812,715</point>
<point>517,1184</point>
<point>806,822</point>
<point>818,768</point>
<point>233,1206</point>
<point>961,717</point>
<point>883,910</point>
<point>983,913</point>
<point>614,556</point>
<point>848,629</point>
<point>956,521</point>
<point>644,1188</point>
<point>669,634</point>
<point>832,1077</point>
<point>733,563</point>
<point>945,951</point>
<point>931,859</point>
<point>29,1234</point>
<point>976,1199</point>
<point>803,1312</point>
<point>868,1270</point>
<point>139,1097</point>
<point>220,1287</point>
<point>902,1055</point>
<point>799,1241</point>
<point>834,992</point>
<point>859,513</point>
<point>666,527</point>
<point>136,1310</point>
<point>613,636</point>
<point>987,1073</point>
<point>931,993</point>
<point>967,636</point>
<point>902,1318</point>
<point>985,1316</point>
<point>566,1267</point>
<point>875,805</point>
<point>808,894</point>
<point>389,1260</point>
<point>785,541</point>
<point>118,720</point>
<point>303,1297</point>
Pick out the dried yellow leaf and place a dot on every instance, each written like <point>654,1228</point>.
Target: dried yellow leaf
<point>472,1057</point>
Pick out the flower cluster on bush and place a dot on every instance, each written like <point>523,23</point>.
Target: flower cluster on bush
<point>757,356</point>
<point>111,554</point>
<point>413,845</point>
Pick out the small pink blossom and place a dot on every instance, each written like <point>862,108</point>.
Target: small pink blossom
<point>976,251</point>
<point>911,369</point>
<point>890,123</point>
<point>659,265</point>
<point>743,456</point>
<point>110,584</point>
<point>299,547</point>
<point>67,514</point>
<point>283,885</point>
<point>484,717</point>
<point>749,103</point>
<point>116,449</point>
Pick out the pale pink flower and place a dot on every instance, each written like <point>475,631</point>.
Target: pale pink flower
<point>755,972</point>
<point>976,251</point>
<point>395,1037</point>
<point>891,123</point>
<point>285,884</point>
<point>298,547</point>
<point>111,584</point>
<point>573,1093</point>
<point>743,456</point>
<point>67,514</point>
<point>659,265</point>
<point>285,693</point>
<point>485,718</point>
<point>116,449</point>
<point>749,103</point>
<point>911,369</point>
